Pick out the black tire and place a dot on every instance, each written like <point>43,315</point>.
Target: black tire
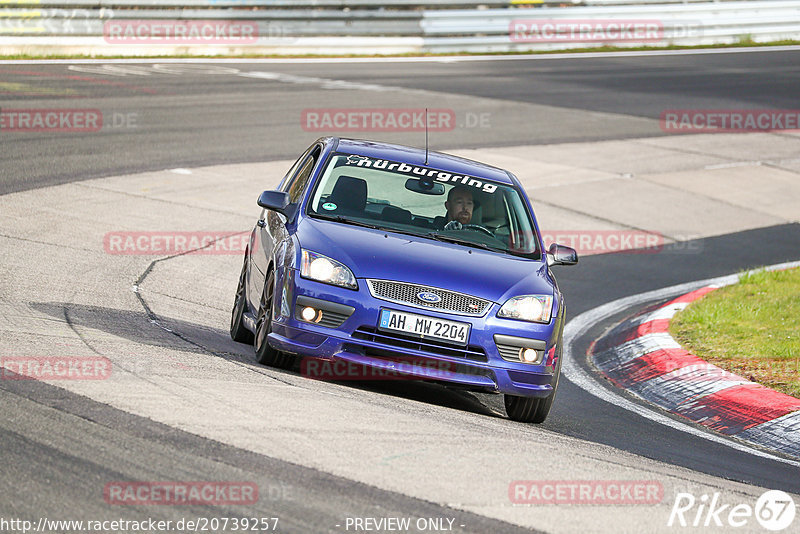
<point>527,409</point>
<point>239,332</point>
<point>265,354</point>
<point>532,409</point>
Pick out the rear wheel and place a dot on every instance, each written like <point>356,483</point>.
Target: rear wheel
<point>265,354</point>
<point>238,331</point>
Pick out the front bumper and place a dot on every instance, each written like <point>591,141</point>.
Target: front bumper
<point>353,337</point>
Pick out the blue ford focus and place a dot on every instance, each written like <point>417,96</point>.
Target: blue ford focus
<point>395,259</point>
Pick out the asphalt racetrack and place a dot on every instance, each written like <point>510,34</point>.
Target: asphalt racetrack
<point>189,145</point>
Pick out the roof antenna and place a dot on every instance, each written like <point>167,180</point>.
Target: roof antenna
<point>426,136</point>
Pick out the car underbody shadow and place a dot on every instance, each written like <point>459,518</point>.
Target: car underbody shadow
<point>430,393</point>
<point>177,334</point>
<point>138,327</point>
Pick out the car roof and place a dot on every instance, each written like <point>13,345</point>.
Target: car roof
<point>416,156</point>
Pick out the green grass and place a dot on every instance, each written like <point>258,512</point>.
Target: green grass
<point>751,328</point>
<point>744,41</point>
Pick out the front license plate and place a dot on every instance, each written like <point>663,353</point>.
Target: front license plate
<point>424,327</point>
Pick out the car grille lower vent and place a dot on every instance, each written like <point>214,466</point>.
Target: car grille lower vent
<point>393,339</point>
<point>508,352</point>
<point>389,355</point>
<point>332,319</point>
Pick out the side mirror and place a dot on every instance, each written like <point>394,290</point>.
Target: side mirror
<point>561,255</point>
<point>274,200</point>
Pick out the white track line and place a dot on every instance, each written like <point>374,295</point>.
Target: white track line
<point>423,59</point>
<point>578,376</point>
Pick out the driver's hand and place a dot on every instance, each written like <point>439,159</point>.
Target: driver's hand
<point>453,225</point>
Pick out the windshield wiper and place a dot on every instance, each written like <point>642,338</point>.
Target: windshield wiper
<point>459,241</point>
<point>354,222</point>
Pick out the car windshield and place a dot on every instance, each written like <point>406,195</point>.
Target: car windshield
<point>423,201</point>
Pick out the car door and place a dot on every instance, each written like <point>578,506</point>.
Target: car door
<point>269,239</point>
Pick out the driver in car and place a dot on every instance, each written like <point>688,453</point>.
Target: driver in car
<point>459,208</point>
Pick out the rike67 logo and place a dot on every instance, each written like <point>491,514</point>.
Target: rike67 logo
<point>774,510</point>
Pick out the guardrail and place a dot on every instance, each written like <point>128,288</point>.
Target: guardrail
<point>210,27</point>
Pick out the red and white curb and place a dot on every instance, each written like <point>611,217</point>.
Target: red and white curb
<point>640,356</point>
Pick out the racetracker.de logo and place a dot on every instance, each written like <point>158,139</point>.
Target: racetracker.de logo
<point>145,243</point>
<point>51,120</point>
<point>585,30</point>
<point>377,120</point>
<point>181,493</point>
<point>585,492</point>
<point>606,241</point>
<point>55,368</point>
<point>729,120</point>
<point>180,32</point>
<point>317,369</point>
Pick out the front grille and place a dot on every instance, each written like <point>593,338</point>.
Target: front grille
<point>405,293</point>
<point>394,339</point>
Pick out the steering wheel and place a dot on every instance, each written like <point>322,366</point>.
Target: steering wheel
<point>479,228</point>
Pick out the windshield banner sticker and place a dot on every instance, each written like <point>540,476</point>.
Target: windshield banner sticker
<point>419,172</point>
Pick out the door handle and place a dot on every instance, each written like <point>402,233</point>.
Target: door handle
<point>261,223</point>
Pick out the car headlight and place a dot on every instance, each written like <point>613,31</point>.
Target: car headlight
<point>326,270</point>
<point>533,308</point>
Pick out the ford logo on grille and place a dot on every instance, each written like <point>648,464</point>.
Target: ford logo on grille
<point>430,298</point>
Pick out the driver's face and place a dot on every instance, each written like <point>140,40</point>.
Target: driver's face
<point>459,207</point>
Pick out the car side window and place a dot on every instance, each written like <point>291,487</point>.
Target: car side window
<point>287,179</point>
<point>297,183</point>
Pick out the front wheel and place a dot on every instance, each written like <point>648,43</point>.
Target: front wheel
<point>532,409</point>
<point>265,354</point>
<point>238,331</point>
<point>528,409</point>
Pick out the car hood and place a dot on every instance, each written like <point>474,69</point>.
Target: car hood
<point>385,255</point>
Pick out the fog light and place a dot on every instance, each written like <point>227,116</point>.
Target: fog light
<point>527,355</point>
<point>310,314</point>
